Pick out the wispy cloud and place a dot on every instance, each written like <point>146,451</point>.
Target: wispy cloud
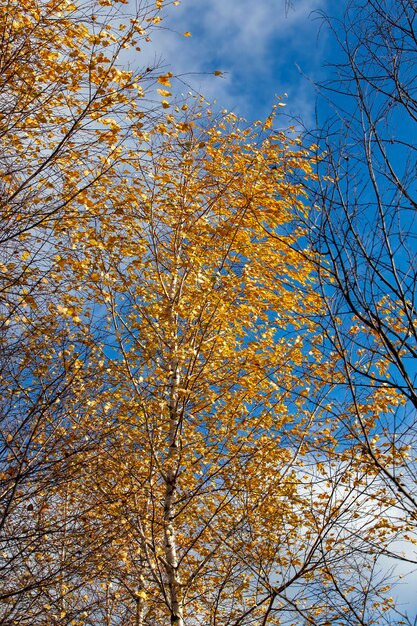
<point>257,44</point>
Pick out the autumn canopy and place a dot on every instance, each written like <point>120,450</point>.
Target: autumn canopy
<point>174,444</point>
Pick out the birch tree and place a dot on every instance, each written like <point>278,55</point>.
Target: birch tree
<point>67,108</point>
<point>364,231</point>
<point>212,473</point>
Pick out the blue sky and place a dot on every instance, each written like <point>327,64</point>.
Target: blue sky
<point>263,49</point>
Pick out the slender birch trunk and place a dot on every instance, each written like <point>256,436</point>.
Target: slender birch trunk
<point>171,474</point>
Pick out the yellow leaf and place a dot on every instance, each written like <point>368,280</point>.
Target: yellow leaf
<point>30,301</point>
<point>164,92</point>
<point>187,34</point>
<point>165,104</point>
<point>164,79</point>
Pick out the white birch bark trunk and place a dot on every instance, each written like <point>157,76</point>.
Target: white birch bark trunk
<point>171,475</point>
<point>171,557</point>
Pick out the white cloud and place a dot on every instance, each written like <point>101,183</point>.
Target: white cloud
<point>255,42</point>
